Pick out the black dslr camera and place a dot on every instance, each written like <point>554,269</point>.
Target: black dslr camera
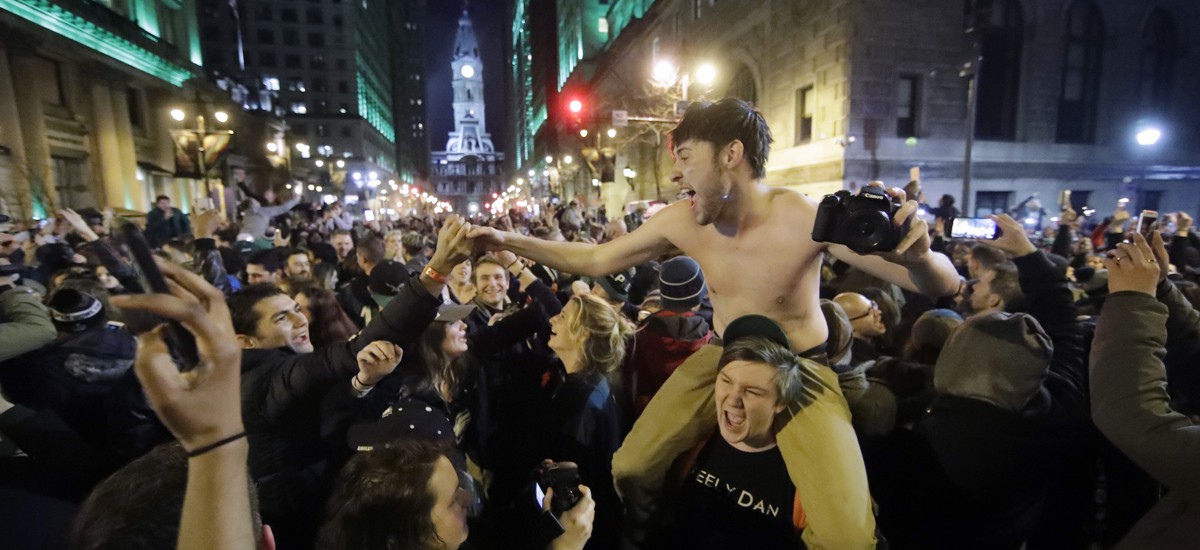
<point>862,222</point>
<point>563,477</point>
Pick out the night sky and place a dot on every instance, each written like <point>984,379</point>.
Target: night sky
<point>488,17</point>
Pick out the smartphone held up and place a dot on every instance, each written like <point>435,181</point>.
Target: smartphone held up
<point>974,228</point>
<point>151,280</point>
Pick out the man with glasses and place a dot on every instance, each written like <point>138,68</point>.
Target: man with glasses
<point>867,321</point>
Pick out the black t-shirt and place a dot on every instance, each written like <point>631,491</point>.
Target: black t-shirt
<point>735,499</point>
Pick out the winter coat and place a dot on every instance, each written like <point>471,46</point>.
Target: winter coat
<point>667,339</point>
<point>26,323</point>
<point>1130,406</point>
<point>160,229</point>
<point>257,218</point>
<point>971,474</point>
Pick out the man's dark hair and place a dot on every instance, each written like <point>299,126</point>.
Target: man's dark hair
<point>724,121</point>
<point>229,234</point>
<point>324,253</point>
<point>383,500</point>
<point>1006,283</point>
<point>987,256</point>
<point>139,507</point>
<point>295,251</point>
<point>161,198</point>
<point>241,306</point>
<point>413,243</point>
<point>345,232</point>
<point>269,259</point>
<point>371,249</point>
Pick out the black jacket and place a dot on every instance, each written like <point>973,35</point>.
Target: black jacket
<point>973,475</point>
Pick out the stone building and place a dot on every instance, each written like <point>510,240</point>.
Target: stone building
<point>86,88</point>
<point>862,90</point>
<point>469,172</point>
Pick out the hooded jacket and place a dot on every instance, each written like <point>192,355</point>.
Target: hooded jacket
<point>978,468</point>
<point>1131,407</point>
<point>667,339</point>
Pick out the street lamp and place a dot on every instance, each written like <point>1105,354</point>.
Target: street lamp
<point>583,133</point>
<point>1148,136</point>
<point>320,163</point>
<point>612,133</point>
<point>221,116</point>
<point>178,115</point>
<point>200,133</point>
<point>549,159</point>
<point>341,163</point>
<point>629,172</point>
<point>706,74</point>
<point>567,159</point>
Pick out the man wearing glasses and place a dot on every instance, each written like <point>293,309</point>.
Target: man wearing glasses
<point>867,321</point>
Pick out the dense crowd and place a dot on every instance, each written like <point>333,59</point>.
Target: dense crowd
<point>707,376</point>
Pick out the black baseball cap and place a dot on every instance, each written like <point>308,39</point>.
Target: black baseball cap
<point>755,325</point>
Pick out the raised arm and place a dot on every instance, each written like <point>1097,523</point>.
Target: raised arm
<point>912,265</point>
<point>1130,404</point>
<point>646,243</point>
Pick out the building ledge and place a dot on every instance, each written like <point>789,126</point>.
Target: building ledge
<point>103,31</point>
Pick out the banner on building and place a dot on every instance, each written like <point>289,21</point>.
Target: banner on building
<point>188,161</point>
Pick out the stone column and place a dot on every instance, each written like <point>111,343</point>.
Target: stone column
<point>133,191</point>
<point>15,188</point>
<point>37,147</point>
<point>104,128</point>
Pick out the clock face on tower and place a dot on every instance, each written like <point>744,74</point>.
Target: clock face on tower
<point>468,71</point>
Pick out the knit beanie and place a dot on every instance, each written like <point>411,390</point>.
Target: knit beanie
<point>681,283</point>
<point>74,311</point>
<point>998,358</point>
<point>933,327</point>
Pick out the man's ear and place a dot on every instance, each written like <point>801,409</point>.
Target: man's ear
<point>733,153</point>
<point>247,342</point>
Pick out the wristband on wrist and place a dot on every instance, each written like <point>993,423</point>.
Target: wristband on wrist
<point>218,444</point>
<point>433,274</point>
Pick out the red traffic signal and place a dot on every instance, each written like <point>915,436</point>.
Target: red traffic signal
<point>576,106</point>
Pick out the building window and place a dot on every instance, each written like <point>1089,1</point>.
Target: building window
<point>291,61</point>
<point>317,62</point>
<point>1149,200</point>
<point>296,85</point>
<point>300,129</point>
<point>316,40</point>
<point>337,21</point>
<point>343,88</point>
<point>347,131</point>
<point>210,32</point>
<point>1159,43</point>
<point>271,83</point>
<point>287,15</point>
<point>299,108</point>
<point>999,25</point>
<point>804,114</point>
<point>263,12</point>
<point>266,36</point>
<point>991,202</point>
<point>319,85</point>
<point>696,4</point>
<point>1081,74</point>
<point>314,16</point>
<point>908,101</point>
<point>1079,200</point>
<point>341,64</point>
<point>266,59</point>
<point>291,37</point>
<point>133,100</point>
<point>742,86</point>
<point>602,25</point>
<point>321,130</point>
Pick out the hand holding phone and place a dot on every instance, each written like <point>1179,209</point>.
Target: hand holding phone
<point>974,228</point>
<point>150,280</point>
<point>1147,222</point>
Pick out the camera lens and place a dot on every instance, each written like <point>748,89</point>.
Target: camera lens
<point>866,230</point>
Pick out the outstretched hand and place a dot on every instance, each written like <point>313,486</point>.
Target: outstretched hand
<point>487,239</point>
<point>1012,238</point>
<point>454,245</point>
<point>377,360</point>
<point>914,245</point>
<point>201,406</point>
<point>1133,266</point>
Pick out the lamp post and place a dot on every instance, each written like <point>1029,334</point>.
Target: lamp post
<point>201,133</point>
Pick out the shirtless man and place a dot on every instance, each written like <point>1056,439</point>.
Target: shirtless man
<point>754,244</point>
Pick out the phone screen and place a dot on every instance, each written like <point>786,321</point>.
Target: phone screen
<point>973,228</point>
<point>539,494</point>
<point>1147,222</point>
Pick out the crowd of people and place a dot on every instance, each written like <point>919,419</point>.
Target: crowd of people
<point>705,377</point>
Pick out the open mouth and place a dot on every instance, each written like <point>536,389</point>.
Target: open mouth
<point>733,419</point>
<point>301,338</point>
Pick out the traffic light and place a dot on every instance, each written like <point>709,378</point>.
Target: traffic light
<point>575,106</point>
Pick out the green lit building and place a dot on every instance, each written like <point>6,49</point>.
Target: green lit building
<point>326,68</point>
<point>85,92</point>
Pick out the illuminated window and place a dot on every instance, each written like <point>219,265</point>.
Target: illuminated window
<point>603,25</point>
<point>299,108</point>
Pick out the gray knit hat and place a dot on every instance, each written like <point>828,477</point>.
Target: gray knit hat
<point>681,283</point>
<point>998,358</point>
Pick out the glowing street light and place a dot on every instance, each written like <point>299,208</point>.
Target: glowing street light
<point>177,114</point>
<point>272,147</point>
<point>583,133</point>
<point>320,163</point>
<point>612,132</point>
<point>1149,136</point>
<point>706,74</point>
<point>341,163</point>
<point>575,106</point>
<point>549,159</point>
<point>221,116</point>
<point>567,159</point>
<point>629,172</point>
<point>664,74</point>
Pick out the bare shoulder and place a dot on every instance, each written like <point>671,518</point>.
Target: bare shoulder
<point>794,202</point>
<point>669,221</point>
